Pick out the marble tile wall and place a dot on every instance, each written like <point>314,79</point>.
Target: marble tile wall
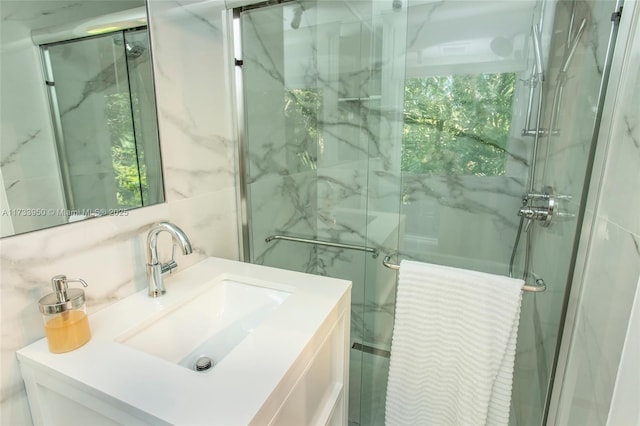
<point>198,160</point>
<point>462,221</point>
<point>6,224</point>
<point>281,186</point>
<point>624,408</point>
<point>611,265</point>
<point>27,157</point>
<point>283,205</point>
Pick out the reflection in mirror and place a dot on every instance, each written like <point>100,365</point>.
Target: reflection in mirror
<point>79,127</point>
<point>104,158</point>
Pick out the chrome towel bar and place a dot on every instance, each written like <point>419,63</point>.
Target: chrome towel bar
<point>387,262</point>
<point>373,251</point>
<point>538,288</point>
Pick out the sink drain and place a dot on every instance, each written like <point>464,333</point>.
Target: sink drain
<point>203,363</point>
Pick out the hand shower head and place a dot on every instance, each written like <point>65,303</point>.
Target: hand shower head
<point>297,16</point>
<point>501,46</point>
<point>574,45</point>
<point>537,50</point>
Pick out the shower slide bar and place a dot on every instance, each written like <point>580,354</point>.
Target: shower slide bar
<point>540,287</point>
<point>373,251</point>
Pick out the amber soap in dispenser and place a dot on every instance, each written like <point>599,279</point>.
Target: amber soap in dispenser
<point>65,316</point>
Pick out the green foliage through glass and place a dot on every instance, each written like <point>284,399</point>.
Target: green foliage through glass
<point>457,124</point>
<point>301,110</point>
<point>130,174</point>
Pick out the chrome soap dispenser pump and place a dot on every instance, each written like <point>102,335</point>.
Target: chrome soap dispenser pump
<point>65,315</point>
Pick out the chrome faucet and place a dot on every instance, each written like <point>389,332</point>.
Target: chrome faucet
<point>155,269</point>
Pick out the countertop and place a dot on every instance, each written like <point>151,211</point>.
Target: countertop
<point>160,391</point>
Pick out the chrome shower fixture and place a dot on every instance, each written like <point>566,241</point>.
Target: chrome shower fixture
<point>537,47</point>
<point>297,16</point>
<point>542,207</point>
<point>134,50</point>
<point>502,46</point>
<point>574,45</point>
<point>537,77</point>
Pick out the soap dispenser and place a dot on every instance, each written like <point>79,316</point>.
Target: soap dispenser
<point>65,315</point>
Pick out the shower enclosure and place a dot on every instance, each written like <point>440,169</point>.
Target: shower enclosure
<point>102,104</point>
<point>442,132</point>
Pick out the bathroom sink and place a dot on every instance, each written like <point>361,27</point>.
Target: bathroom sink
<point>208,324</point>
<point>278,341</point>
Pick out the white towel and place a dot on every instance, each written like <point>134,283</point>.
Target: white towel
<point>453,347</point>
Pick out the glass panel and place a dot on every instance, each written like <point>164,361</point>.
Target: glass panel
<point>281,150</point>
<point>464,164</point>
<point>462,157</point>
<point>110,154</point>
<point>384,118</point>
<point>315,112</point>
<point>457,124</point>
<point>461,194</point>
<point>91,77</point>
<point>399,125</point>
<point>143,108</point>
<point>570,104</point>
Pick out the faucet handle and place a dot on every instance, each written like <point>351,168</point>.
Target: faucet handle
<point>169,266</point>
<point>172,264</point>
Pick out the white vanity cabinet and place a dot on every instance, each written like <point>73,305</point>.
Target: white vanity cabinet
<point>317,391</point>
<point>289,367</point>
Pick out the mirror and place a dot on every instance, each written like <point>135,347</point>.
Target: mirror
<point>78,115</point>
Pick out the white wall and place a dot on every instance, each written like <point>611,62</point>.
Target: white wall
<point>625,409</point>
<point>195,126</point>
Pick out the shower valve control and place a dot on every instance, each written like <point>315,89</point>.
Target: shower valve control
<point>539,206</point>
<point>536,213</point>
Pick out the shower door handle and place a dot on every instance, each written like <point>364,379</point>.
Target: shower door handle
<point>373,251</point>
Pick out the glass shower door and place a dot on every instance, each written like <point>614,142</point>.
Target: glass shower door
<point>316,119</point>
<point>406,127</point>
<point>469,154</point>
